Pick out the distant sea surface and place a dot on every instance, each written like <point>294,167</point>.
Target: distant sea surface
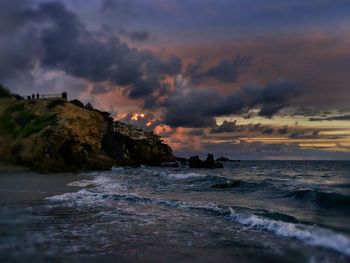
<point>282,211</point>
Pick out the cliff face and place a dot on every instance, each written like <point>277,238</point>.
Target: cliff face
<point>57,136</point>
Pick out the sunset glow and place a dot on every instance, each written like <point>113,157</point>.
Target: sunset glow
<point>248,79</point>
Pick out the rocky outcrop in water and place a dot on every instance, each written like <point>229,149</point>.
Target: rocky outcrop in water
<point>209,163</point>
<point>58,136</point>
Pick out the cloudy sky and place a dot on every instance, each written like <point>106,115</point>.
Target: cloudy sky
<point>247,79</point>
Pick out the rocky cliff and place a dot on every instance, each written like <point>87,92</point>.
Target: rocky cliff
<point>58,136</point>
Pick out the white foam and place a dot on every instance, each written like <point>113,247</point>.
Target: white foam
<point>74,196</point>
<point>102,185</point>
<point>310,234</point>
<point>105,184</point>
<point>82,183</point>
<point>117,168</point>
<point>181,176</point>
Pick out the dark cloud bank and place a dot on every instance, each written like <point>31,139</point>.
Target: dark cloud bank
<point>226,71</point>
<point>332,118</point>
<point>54,38</point>
<point>199,107</point>
<point>231,127</point>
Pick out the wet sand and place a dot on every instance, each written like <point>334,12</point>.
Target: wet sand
<point>19,184</point>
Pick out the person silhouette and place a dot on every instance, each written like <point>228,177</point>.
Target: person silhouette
<point>33,96</point>
<point>37,96</point>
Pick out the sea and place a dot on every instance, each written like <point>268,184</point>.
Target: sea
<point>280,211</point>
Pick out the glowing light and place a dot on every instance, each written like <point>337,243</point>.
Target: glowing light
<point>159,129</point>
<point>137,116</point>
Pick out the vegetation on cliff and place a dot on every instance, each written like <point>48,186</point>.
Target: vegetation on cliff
<point>59,136</point>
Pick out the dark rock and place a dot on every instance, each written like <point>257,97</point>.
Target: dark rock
<point>181,160</point>
<point>131,146</point>
<point>195,162</point>
<point>209,163</point>
<point>227,185</point>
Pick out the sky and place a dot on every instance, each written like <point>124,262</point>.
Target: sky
<point>245,79</point>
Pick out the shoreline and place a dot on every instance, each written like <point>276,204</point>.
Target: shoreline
<point>18,184</point>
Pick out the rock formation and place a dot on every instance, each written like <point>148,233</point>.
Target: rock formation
<point>209,163</point>
<point>58,136</point>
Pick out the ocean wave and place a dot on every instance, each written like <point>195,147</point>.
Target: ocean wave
<point>322,199</point>
<point>106,192</point>
<point>82,183</point>
<point>73,196</point>
<point>343,185</point>
<point>117,168</point>
<point>94,190</point>
<point>311,235</point>
<point>182,176</point>
<point>209,180</point>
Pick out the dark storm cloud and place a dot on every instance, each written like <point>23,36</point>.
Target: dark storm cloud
<point>14,14</point>
<point>190,109</point>
<point>232,127</point>
<point>267,131</point>
<point>16,47</point>
<point>270,98</point>
<point>332,118</point>
<point>256,127</point>
<point>66,44</point>
<point>226,126</point>
<point>100,60</point>
<point>155,69</point>
<point>199,107</point>
<point>227,19</point>
<point>283,130</point>
<point>225,71</point>
<point>306,135</point>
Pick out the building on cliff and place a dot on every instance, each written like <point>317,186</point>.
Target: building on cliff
<point>135,132</point>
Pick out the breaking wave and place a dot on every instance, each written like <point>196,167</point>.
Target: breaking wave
<point>322,199</point>
<point>312,235</point>
<point>181,176</point>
